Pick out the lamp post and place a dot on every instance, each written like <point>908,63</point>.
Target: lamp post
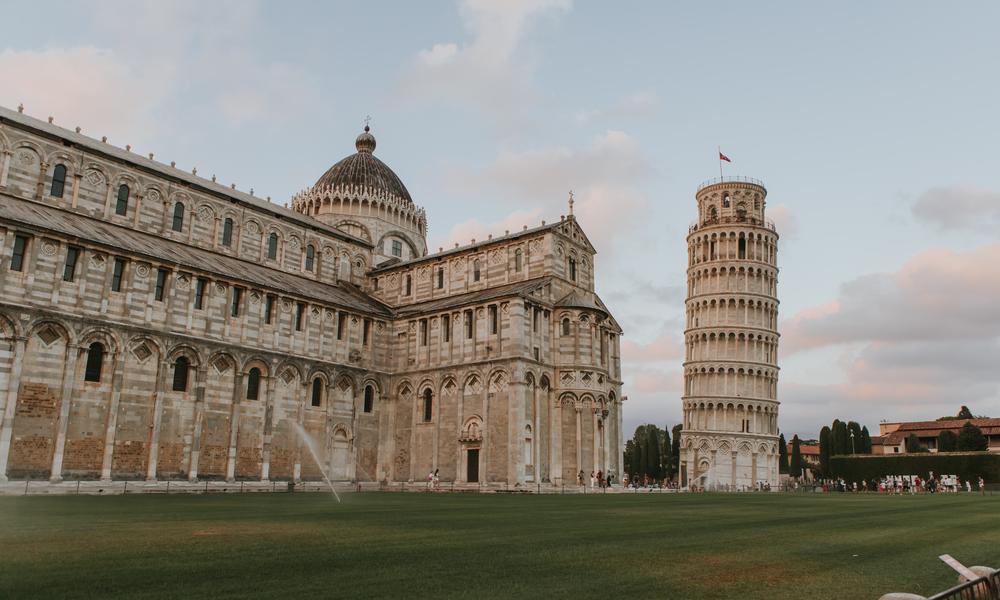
<point>852,443</point>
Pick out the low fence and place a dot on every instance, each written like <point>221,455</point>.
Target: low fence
<point>985,588</point>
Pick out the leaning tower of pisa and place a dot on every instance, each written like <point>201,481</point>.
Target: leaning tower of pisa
<point>730,434</point>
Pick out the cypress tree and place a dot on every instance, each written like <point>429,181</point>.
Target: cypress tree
<point>841,445</point>
<point>782,454</point>
<point>796,466</point>
<point>824,450</point>
<point>666,457</point>
<point>913,444</point>
<point>653,452</point>
<point>643,451</point>
<point>855,446</point>
<point>675,448</point>
<point>866,441</point>
<point>629,457</point>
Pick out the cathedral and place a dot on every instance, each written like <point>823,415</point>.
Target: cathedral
<point>158,325</point>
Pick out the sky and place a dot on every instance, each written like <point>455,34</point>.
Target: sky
<point>873,125</point>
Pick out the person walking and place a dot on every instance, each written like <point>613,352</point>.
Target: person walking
<point>982,486</point>
<point>592,480</point>
<point>437,479</point>
<point>430,480</point>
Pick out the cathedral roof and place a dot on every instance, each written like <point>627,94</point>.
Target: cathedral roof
<point>361,171</point>
<point>582,299</point>
<point>117,238</point>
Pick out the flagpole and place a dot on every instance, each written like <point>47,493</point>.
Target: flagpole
<point>720,163</point>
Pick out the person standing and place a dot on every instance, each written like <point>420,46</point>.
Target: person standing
<point>437,479</point>
<point>982,486</point>
<point>430,480</point>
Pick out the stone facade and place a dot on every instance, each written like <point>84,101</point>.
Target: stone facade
<point>157,325</point>
<point>730,435</point>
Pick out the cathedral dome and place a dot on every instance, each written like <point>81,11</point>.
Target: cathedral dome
<point>362,171</point>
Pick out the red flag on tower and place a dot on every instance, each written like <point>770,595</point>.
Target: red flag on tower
<point>724,157</point>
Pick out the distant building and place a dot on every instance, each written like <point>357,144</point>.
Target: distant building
<point>809,453</point>
<point>892,438</point>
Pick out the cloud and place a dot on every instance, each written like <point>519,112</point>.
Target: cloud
<point>636,105</point>
<point>603,175</point>
<point>664,348</point>
<point>108,97</point>
<point>913,344</point>
<point>960,208</point>
<point>474,229</point>
<point>484,74</point>
<point>937,295</point>
<point>784,221</point>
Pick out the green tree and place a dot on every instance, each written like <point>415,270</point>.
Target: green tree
<point>630,458</point>
<point>795,469</point>
<point>866,441</point>
<point>964,413</point>
<point>652,464</point>
<point>971,438</point>
<point>913,444</point>
<point>666,451</point>
<point>675,448</point>
<point>947,441</point>
<point>854,444</point>
<point>782,454</point>
<point>824,450</point>
<point>840,444</point>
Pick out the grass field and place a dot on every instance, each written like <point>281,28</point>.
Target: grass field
<point>433,545</point>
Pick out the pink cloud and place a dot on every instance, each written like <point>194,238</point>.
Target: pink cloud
<point>663,348</point>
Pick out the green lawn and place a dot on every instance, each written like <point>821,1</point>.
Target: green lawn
<point>433,545</point>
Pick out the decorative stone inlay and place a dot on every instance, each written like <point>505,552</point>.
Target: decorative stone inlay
<point>26,157</point>
<point>48,248</point>
<point>48,335</point>
<point>252,227</point>
<point>293,243</point>
<point>220,288</point>
<point>205,213</point>
<point>221,364</point>
<point>288,375</point>
<point>153,195</point>
<point>142,270</point>
<point>183,282</point>
<point>141,352</point>
<point>94,177</point>
<point>254,297</point>
<point>496,257</point>
<point>286,305</point>
<point>97,260</point>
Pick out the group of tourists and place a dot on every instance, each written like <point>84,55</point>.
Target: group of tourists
<point>598,479</point>
<point>906,484</point>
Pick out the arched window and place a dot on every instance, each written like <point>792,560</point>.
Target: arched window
<point>529,451</point>
<point>475,270</point>
<point>713,213</point>
<point>58,181</point>
<point>121,205</point>
<point>310,257</point>
<point>227,232</point>
<point>95,362</point>
<point>518,260</point>
<point>725,200</point>
<point>565,326</point>
<point>272,246</point>
<point>178,224</point>
<point>572,269</point>
<point>181,367</point>
<point>253,384</point>
<point>428,405</point>
<point>370,398</point>
<point>742,247</point>
<point>317,392</point>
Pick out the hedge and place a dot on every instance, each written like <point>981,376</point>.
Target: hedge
<point>967,465</point>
